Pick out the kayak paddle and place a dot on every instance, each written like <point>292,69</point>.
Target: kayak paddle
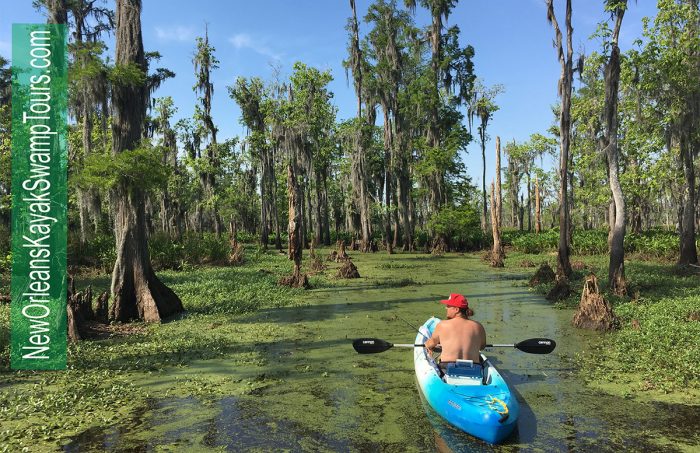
<point>532,345</point>
<point>375,345</point>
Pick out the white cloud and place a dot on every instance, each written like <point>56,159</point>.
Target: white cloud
<point>177,33</point>
<point>245,41</point>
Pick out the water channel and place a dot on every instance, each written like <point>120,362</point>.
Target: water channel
<point>322,396</point>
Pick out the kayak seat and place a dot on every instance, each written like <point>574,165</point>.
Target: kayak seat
<point>464,372</point>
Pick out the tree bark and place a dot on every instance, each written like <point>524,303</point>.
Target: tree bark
<point>58,11</point>
<point>565,83</point>
<point>482,136</point>
<point>616,267</point>
<point>497,252</point>
<point>137,293</point>
<point>529,203</point>
<point>538,207</point>
<point>498,206</point>
<point>388,162</point>
<point>497,249</point>
<point>688,250</point>
<point>295,227</point>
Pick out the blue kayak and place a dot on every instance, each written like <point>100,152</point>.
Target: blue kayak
<point>478,403</point>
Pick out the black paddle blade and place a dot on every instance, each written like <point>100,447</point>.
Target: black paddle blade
<point>537,345</point>
<point>371,345</point>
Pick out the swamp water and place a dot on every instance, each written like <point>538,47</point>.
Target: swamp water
<point>312,392</point>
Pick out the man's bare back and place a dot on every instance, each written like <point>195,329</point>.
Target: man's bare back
<point>460,338</point>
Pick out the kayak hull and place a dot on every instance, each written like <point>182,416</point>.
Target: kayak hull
<point>489,412</point>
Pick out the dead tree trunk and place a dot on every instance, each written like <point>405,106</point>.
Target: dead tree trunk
<point>295,247</point>
<point>137,292</point>
<point>565,83</point>
<point>497,252</point>
<point>497,249</point>
<point>594,312</point>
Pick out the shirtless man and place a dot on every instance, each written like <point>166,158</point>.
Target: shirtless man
<point>459,336</point>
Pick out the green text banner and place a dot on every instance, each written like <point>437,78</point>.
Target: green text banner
<point>39,197</point>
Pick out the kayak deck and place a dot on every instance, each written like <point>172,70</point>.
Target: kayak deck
<point>488,411</point>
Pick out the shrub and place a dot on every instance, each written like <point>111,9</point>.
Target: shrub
<point>165,253</point>
<point>656,243</point>
<point>461,226</point>
<point>660,244</point>
<point>98,252</point>
<point>525,242</point>
<point>421,238</point>
<point>589,242</point>
<point>341,235</point>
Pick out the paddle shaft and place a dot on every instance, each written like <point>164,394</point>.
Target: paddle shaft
<point>375,345</point>
<point>417,345</point>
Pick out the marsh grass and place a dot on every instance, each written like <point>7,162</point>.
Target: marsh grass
<point>658,345</point>
<point>40,409</point>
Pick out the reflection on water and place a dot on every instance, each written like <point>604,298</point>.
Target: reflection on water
<point>330,399</point>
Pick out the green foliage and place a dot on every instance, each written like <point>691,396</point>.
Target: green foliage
<point>461,225</point>
<point>661,349</point>
<point>194,248</point>
<point>656,244</point>
<point>341,235</point>
<point>103,385</point>
<point>141,167</point>
<point>129,74</point>
<point>530,242</point>
<point>98,252</point>
<point>667,334</point>
<point>5,267</point>
<point>5,262</point>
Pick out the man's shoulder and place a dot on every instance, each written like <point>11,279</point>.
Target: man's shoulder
<point>472,322</point>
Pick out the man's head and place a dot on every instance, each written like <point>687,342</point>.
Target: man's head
<point>456,305</point>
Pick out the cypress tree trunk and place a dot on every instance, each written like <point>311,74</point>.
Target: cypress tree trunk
<point>688,250</point>
<point>273,182</point>
<point>529,203</point>
<point>538,207</point>
<point>497,253</point>
<point>482,135</point>
<point>136,290</point>
<point>58,11</point>
<point>295,227</point>
<point>388,146</point>
<point>565,82</point>
<point>318,218</point>
<point>616,268</point>
<point>360,179</point>
<point>404,188</point>
<point>689,147</point>
<point>326,211</point>
<point>497,250</point>
<point>362,136</point>
<point>264,208</point>
<point>498,206</point>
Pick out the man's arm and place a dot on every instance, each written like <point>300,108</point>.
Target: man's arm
<point>434,340</point>
<point>482,333</point>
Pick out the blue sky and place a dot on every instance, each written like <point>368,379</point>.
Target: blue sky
<point>512,40</point>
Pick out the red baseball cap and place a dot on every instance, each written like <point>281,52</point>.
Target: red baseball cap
<point>456,300</point>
